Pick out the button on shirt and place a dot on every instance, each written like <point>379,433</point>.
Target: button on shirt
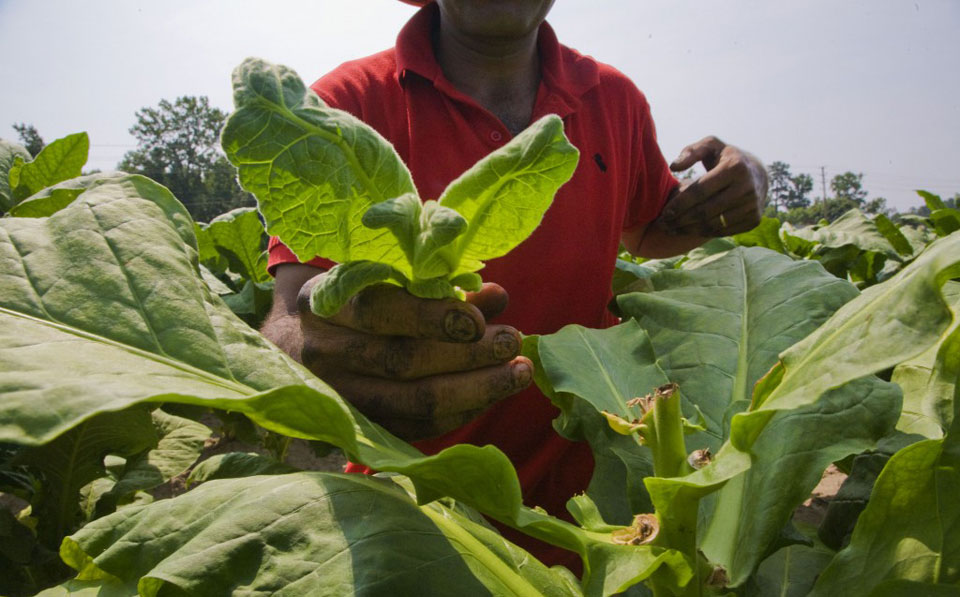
<point>562,273</point>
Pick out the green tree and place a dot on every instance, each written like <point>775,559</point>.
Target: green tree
<point>780,184</point>
<point>30,138</point>
<point>799,191</point>
<point>849,186</point>
<point>876,205</point>
<point>178,146</point>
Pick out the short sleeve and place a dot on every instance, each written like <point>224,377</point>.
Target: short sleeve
<point>653,181</point>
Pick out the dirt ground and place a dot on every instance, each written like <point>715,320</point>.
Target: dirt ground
<point>814,509</point>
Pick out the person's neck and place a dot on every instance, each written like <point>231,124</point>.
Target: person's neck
<point>501,74</point>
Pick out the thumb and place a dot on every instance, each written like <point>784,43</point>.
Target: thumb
<point>492,299</point>
<point>706,150</point>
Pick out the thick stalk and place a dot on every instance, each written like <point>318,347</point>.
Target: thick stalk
<point>669,449</point>
<point>663,434</point>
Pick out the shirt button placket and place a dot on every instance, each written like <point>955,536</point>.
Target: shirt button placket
<point>496,136</point>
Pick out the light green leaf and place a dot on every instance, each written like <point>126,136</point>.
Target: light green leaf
<point>343,281</point>
<point>910,529</point>
<point>504,196</point>
<point>9,152</point>
<point>314,170</point>
<point>886,325</point>
<point>893,235</point>
<point>766,235</point>
<point>239,236</point>
<point>930,381</point>
<point>420,229</point>
<point>60,160</point>
<point>933,201</point>
<point>945,221</point>
<point>706,253</point>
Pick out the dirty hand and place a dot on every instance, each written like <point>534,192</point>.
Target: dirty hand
<point>419,367</point>
<point>727,200</point>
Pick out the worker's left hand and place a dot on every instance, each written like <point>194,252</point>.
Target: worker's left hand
<point>727,200</point>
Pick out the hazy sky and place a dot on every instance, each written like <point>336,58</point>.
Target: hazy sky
<point>871,86</point>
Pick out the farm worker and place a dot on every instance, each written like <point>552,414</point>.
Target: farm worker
<point>462,79</point>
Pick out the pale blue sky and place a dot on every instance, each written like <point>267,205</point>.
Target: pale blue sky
<point>871,86</point>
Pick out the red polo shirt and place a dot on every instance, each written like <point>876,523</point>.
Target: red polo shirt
<point>561,274</point>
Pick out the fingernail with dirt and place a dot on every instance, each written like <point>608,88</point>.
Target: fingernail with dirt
<point>522,374</point>
<point>459,326</point>
<point>505,346</point>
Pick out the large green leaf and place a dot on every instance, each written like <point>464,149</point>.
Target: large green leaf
<point>931,380</point>
<point>910,530</point>
<point>239,236</point>
<point>852,228</point>
<point>9,152</point>
<point>59,161</point>
<point>854,246</point>
<point>886,325</point>
<point>787,461</point>
<point>314,170</point>
<point>52,199</point>
<point>586,372</point>
<point>301,534</point>
<point>504,196</point>
<point>719,328</point>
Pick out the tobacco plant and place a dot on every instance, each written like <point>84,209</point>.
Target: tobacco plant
<point>738,375</point>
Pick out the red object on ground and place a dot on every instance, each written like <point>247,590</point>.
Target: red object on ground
<point>562,273</point>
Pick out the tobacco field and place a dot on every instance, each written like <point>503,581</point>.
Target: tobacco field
<point>740,372</point>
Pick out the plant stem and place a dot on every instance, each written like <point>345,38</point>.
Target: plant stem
<point>663,434</point>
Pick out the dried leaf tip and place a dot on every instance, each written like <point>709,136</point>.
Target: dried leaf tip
<point>643,531</point>
<point>718,578</point>
<point>646,402</point>
<point>700,458</point>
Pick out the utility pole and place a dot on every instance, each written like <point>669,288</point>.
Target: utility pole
<point>823,183</point>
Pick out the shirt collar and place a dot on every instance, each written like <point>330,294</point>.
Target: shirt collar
<point>566,74</point>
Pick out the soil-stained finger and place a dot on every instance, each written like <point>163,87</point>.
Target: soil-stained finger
<point>389,310</point>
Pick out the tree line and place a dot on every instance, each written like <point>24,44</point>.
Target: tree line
<point>789,197</point>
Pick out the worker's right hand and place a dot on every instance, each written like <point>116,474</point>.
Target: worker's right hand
<point>419,367</point>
